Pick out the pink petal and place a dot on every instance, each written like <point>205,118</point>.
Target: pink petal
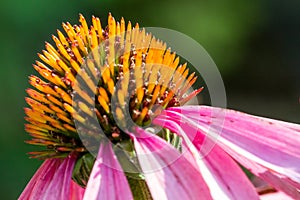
<point>169,175</point>
<point>107,182</point>
<point>275,133</point>
<point>224,177</point>
<point>272,146</point>
<point>228,176</point>
<point>275,196</point>
<point>51,181</point>
<point>59,187</point>
<point>278,181</point>
<point>76,192</point>
<point>40,180</point>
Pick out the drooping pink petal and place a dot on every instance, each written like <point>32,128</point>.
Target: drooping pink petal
<point>169,175</point>
<point>224,177</point>
<point>41,179</point>
<point>59,187</point>
<point>76,192</point>
<point>279,181</point>
<point>51,181</point>
<point>223,173</point>
<point>270,146</point>
<point>107,180</point>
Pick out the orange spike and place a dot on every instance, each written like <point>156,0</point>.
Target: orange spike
<point>34,115</point>
<point>140,95</point>
<point>70,128</point>
<point>103,94</point>
<point>190,96</point>
<point>65,96</point>
<point>111,86</point>
<point>41,86</point>
<point>57,109</point>
<point>118,29</point>
<point>64,118</point>
<point>77,54</point>
<point>111,26</point>
<point>91,66</point>
<point>98,27</point>
<point>63,65</point>
<point>104,104</point>
<point>188,83</point>
<point>39,124</point>
<point>142,115</point>
<point>122,31</point>
<point>119,114</point>
<point>52,50</point>
<point>85,38</point>
<point>69,30</point>
<point>81,45</point>
<point>69,108</point>
<point>37,96</point>
<point>50,60</point>
<point>77,117</point>
<point>38,106</point>
<point>31,126</point>
<point>85,108</point>
<point>121,97</point>
<point>122,25</point>
<point>94,39</point>
<point>105,74</point>
<point>88,80</point>
<point>94,22</point>
<point>54,100</point>
<point>58,126</point>
<point>74,65</point>
<point>155,95</point>
<point>84,95</point>
<point>62,38</point>
<point>63,52</point>
<point>70,78</point>
<point>84,25</point>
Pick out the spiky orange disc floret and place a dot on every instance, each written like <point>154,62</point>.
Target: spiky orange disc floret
<point>91,61</point>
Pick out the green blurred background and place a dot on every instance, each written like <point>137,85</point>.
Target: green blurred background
<point>255,44</point>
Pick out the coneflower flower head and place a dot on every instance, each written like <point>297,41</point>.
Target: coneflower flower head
<point>119,75</point>
<point>108,108</point>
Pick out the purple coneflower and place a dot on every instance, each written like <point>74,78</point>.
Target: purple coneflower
<point>171,151</point>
